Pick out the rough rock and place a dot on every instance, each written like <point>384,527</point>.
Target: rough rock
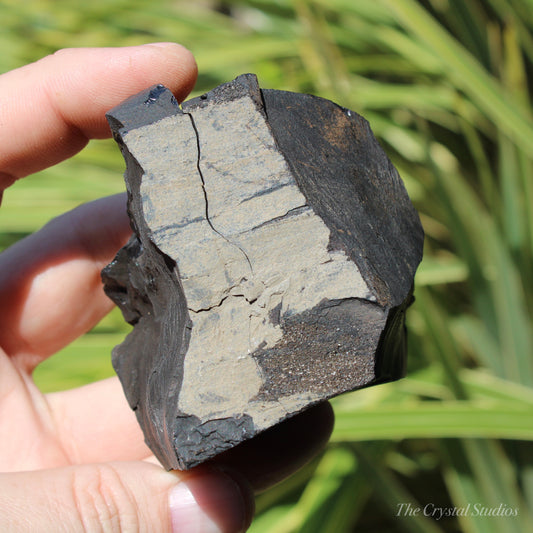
<point>272,261</point>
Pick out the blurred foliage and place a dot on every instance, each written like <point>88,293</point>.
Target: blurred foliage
<point>445,86</point>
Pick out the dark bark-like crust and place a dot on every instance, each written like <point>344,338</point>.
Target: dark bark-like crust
<point>271,265</point>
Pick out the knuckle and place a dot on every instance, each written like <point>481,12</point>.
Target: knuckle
<point>104,502</point>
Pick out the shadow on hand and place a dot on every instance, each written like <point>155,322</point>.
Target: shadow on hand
<point>281,450</point>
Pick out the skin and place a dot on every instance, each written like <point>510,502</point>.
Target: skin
<point>76,460</point>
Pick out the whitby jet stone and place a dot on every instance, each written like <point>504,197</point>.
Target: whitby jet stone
<point>271,265</point>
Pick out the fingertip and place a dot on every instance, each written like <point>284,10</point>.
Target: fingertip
<point>53,106</point>
<point>183,60</point>
<point>211,501</point>
<point>119,73</point>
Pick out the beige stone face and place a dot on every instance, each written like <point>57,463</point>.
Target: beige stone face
<point>245,243</point>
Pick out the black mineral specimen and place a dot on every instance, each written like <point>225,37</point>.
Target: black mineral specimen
<point>272,261</point>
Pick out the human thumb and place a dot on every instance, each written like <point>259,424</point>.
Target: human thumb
<point>123,496</point>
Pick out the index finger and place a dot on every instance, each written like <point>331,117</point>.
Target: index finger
<point>51,108</point>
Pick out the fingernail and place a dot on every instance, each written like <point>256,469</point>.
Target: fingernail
<point>211,502</point>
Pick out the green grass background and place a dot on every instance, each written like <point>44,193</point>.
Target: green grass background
<point>445,85</point>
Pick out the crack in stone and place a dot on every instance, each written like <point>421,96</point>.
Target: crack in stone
<point>219,304</point>
<point>291,212</point>
<point>211,307</point>
<point>200,173</point>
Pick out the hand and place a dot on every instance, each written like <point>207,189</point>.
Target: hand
<point>76,460</point>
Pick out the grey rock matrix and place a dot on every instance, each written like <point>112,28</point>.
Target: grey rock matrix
<point>272,261</point>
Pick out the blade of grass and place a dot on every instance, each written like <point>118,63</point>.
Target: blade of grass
<point>463,488</point>
<point>513,208</point>
<point>491,266</point>
<point>288,489</point>
<point>505,420</point>
<point>445,346</point>
<point>273,520</point>
<point>467,73</point>
<point>468,21</point>
<point>335,496</point>
<point>331,500</point>
<point>483,167</point>
<point>482,384</point>
<point>520,13</point>
<point>436,271</point>
<point>481,475</point>
<point>392,494</point>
